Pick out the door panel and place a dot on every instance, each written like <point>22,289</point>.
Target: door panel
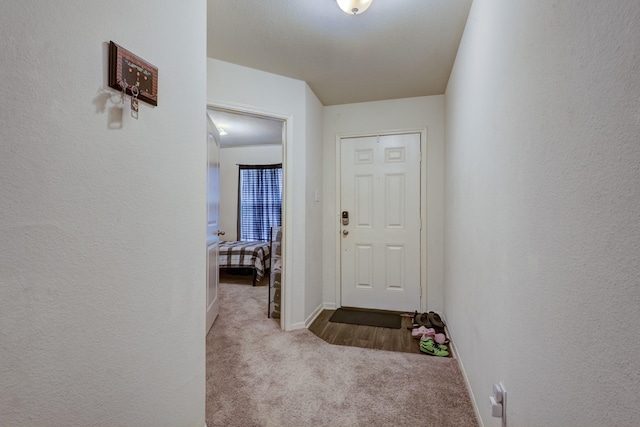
<point>394,207</point>
<point>394,260</point>
<point>213,220</point>
<point>380,247</point>
<point>364,201</point>
<point>364,266</point>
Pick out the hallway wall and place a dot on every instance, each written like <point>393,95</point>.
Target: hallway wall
<point>244,88</point>
<point>542,197</point>
<point>382,116</point>
<point>102,230</point>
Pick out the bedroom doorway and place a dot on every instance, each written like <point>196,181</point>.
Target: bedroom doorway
<point>247,138</point>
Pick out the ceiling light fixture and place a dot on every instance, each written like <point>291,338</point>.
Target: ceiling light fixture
<point>354,7</point>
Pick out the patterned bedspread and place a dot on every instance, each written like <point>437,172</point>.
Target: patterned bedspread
<point>246,254</point>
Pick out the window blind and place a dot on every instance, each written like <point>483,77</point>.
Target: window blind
<point>259,201</point>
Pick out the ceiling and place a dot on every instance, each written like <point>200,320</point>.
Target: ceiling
<point>246,130</point>
<point>395,49</point>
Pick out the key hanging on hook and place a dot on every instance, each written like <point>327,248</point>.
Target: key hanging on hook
<point>134,101</point>
<point>123,85</point>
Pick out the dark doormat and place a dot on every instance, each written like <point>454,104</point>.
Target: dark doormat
<point>368,318</point>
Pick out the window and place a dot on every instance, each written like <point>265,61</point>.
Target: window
<point>259,201</point>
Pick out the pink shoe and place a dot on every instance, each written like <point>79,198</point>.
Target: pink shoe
<point>418,332</point>
<point>440,338</point>
<point>428,333</point>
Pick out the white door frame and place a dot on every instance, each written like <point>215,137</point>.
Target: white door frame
<point>287,196</point>
<point>423,209</point>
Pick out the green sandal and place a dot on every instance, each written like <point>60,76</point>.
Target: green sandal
<point>430,347</point>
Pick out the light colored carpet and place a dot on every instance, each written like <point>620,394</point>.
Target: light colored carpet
<point>258,375</point>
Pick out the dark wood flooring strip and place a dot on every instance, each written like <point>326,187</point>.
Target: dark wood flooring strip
<point>365,336</point>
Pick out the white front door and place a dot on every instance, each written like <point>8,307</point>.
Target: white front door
<point>380,222</point>
<point>213,220</point>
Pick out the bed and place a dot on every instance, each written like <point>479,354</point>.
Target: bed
<point>254,255</point>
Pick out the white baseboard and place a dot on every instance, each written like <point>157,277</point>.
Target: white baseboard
<point>329,305</point>
<point>456,355</point>
<point>313,315</point>
<point>310,319</point>
<point>296,326</point>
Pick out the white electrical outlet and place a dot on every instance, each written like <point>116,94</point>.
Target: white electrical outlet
<point>496,407</point>
<point>498,402</point>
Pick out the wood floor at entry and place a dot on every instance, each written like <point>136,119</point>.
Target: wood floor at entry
<point>380,221</point>
<point>365,336</point>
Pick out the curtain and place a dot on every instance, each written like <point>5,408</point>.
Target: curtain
<point>259,201</point>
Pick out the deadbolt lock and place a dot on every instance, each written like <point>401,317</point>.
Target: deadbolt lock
<point>345,217</point>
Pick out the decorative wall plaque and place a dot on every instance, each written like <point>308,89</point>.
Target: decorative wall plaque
<point>127,71</point>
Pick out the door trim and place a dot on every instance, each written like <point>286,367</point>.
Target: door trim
<point>287,195</point>
<point>423,209</point>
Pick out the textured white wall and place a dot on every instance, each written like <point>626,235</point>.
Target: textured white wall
<point>313,216</point>
<point>542,237</point>
<point>102,237</point>
<point>245,88</point>
<point>230,158</point>
<point>398,114</point>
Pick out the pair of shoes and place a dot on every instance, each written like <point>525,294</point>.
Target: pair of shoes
<point>421,319</point>
<point>425,333</point>
<point>429,346</point>
<point>428,320</point>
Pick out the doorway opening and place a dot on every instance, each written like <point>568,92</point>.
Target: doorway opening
<point>250,138</point>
